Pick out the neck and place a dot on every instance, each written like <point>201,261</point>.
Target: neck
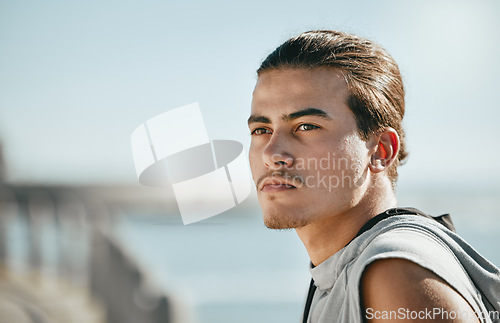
<point>324,237</point>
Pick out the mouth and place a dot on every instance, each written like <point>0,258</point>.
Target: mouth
<point>276,184</point>
<point>273,188</point>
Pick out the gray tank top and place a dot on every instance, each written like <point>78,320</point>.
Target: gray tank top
<point>414,238</point>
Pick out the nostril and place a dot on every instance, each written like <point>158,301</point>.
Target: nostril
<point>276,161</point>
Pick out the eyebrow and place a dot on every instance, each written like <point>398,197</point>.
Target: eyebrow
<point>306,112</point>
<point>292,116</point>
<point>260,119</point>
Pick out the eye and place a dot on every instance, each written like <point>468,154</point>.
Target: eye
<point>260,131</point>
<point>306,127</point>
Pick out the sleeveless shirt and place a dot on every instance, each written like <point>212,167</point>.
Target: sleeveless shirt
<point>415,238</point>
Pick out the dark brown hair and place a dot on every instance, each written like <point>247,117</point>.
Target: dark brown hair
<point>376,92</point>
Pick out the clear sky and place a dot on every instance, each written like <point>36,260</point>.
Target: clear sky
<point>76,78</point>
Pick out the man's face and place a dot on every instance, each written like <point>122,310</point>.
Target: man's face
<point>307,159</point>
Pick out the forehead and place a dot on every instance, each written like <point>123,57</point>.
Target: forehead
<point>286,90</point>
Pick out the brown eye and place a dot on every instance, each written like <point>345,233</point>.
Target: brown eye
<point>307,127</point>
<point>260,131</point>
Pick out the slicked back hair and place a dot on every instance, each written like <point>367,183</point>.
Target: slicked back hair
<point>375,86</point>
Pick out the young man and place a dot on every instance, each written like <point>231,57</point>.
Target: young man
<point>326,143</point>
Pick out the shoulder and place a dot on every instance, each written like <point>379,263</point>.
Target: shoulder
<point>407,289</point>
<point>412,270</point>
<point>412,239</point>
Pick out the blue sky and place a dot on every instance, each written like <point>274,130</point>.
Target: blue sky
<point>76,78</point>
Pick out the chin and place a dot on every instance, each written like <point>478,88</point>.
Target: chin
<point>283,221</point>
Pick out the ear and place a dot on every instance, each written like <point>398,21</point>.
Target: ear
<point>386,150</point>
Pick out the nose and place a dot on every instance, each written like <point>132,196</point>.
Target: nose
<point>277,154</point>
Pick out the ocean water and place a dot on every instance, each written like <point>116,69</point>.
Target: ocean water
<point>227,269</point>
<point>230,268</point>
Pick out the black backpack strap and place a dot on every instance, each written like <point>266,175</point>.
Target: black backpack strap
<point>310,295</point>
<point>444,219</point>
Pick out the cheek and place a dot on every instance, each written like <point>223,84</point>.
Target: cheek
<point>253,158</point>
<point>358,154</point>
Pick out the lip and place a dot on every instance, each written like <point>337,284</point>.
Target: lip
<point>276,184</point>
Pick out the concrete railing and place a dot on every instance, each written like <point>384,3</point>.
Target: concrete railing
<point>59,236</point>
